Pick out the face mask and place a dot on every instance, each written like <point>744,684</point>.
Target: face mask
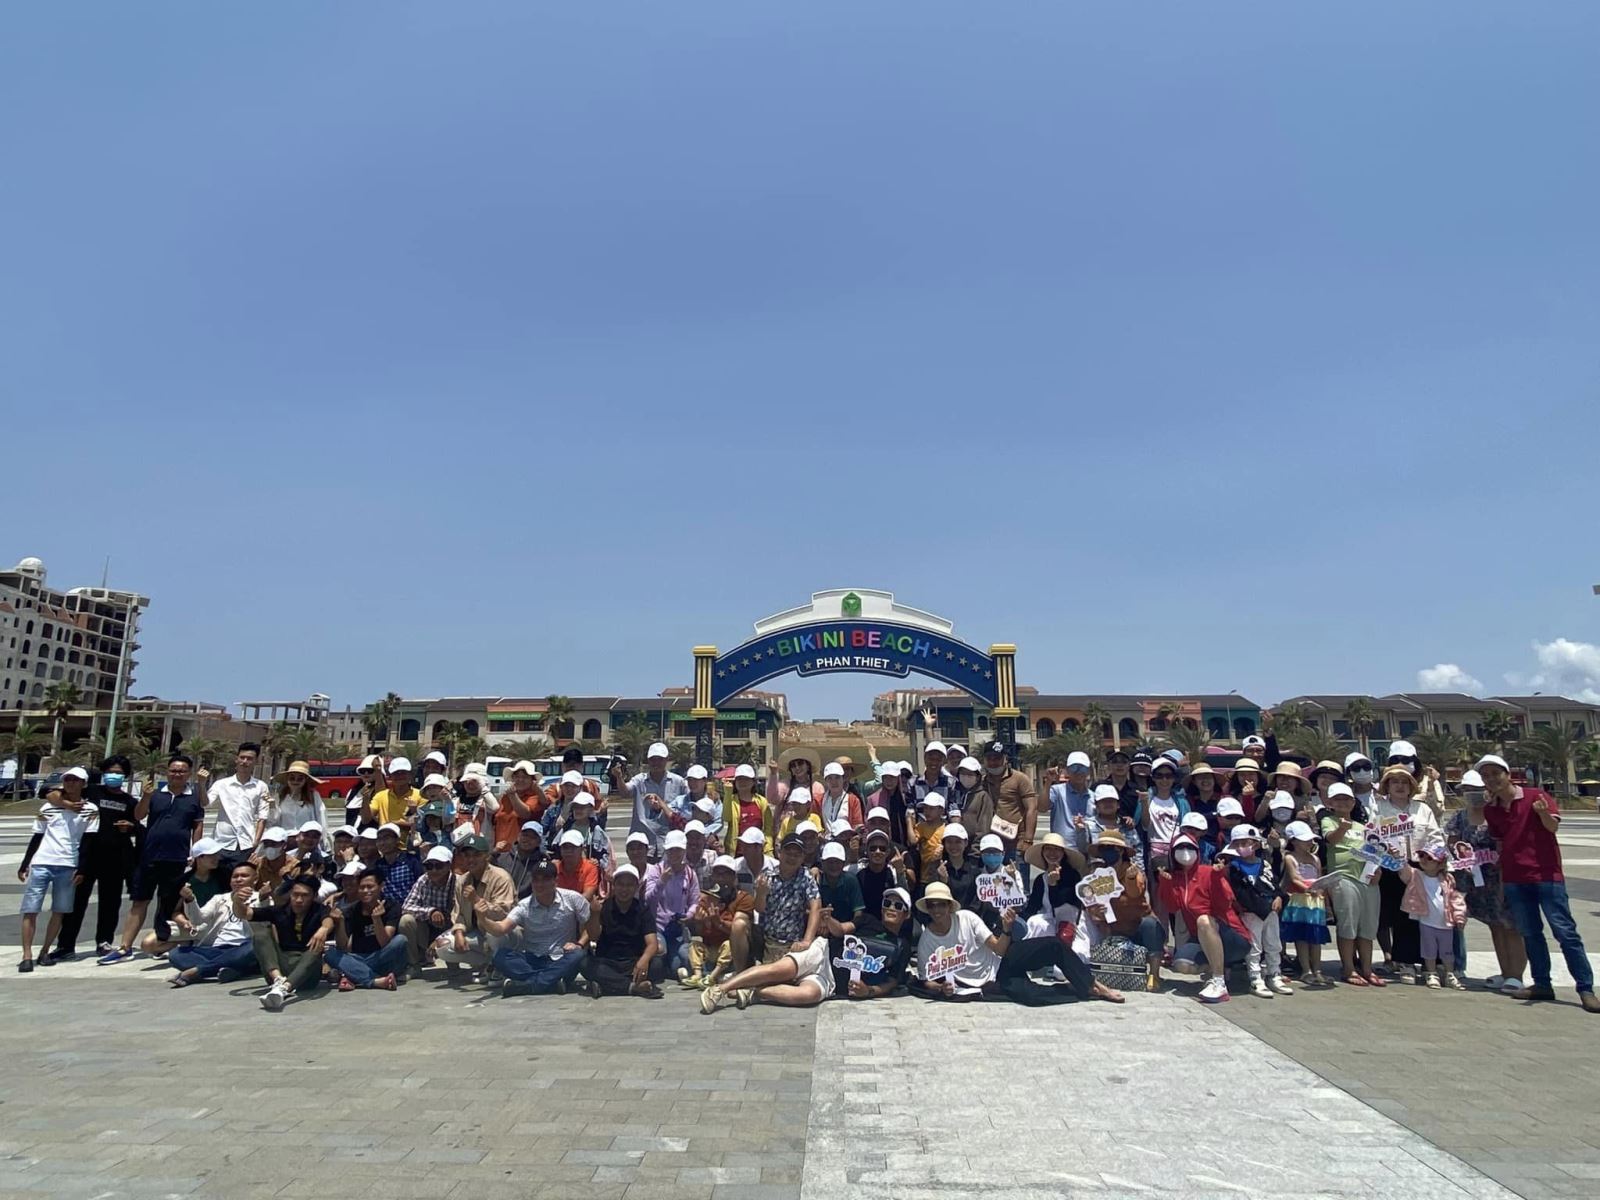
<point>113,779</point>
<point>1185,856</point>
<point>1477,796</point>
<point>968,779</point>
<point>271,852</point>
<point>992,860</point>
<point>1246,850</point>
<point>1362,775</point>
<point>1110,856</point>
<point>1000,770</point>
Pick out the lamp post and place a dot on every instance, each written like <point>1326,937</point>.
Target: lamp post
<point>122,669</point>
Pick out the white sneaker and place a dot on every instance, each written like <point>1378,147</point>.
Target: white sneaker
<point>1277,984</point>
<point>276,995</point>
<point>1214,992</point>
<point>1258,989</point>
<point>1513,984</point>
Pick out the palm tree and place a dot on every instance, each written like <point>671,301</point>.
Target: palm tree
<point>558,717</point>
<point>736,753</point>
<point>206,752</point>
<point>1097,717</point>
<point>448,737</point>
<point>306,744</point>
<point>1361,717</point>
<point>1556,748</point>
<point>1191,741</point>
<point>148,760</point>
<point>681,755</point>
<point>92,751</point>
<point>1498,727</point>
<point>472,749</point>
<point>25,742</point>
<point>1287,718</point>
<point>60,699</point>
<point>526,748</point>
<point>634,738</point>
<point>1441,750</point>
<point>1164,715</point>
<point>1316,744</point>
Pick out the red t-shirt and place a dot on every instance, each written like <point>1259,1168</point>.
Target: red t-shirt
<point>585,877</point>
<point>1529,853</point>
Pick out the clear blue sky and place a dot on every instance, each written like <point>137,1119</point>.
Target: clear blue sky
<point>1189,347</point>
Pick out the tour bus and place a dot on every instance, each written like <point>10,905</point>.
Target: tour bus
<point>550,769</point>
<point>338,777</point>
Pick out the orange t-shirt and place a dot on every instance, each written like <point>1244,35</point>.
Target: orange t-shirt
<point>586,877</point>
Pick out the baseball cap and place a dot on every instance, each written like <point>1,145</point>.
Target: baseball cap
<point>752,836</point>
<point>1355,756</point>
<point>396,765</point>
<point>705,804</point>
<point>439,854</point>
<point>969,764</point>
<point>311,827</point>
<point>932,799</point>
<point>369,834</point>
<point>1340,789</point>
<point>990,841</point>
<point>205,846</point>
<point>276,834</point>
<point>345,831</point>
<point>75,773</point>
<point>840,827</point>
<point>1490,760</point>
<point>934,748</point>
<point>744,771</point>
<point>371,762</point>
<point>571,838</point>
<point>1193,820</point>
<point>955,829</point>
<point>1229,807</point>
<point>694,827</point>
<point>993,748</point>
<point>625,869</point>
<point>833,851</point>
<point>390,827</point>
<point>657,750</point>
<point>696,771</point>
<point>1244,833</point>
<point>575,778</point>
<point>583,799</point>
<point>876,835</point>
<point>725,860</point>
<point>1469,779</point>
<point>435,756</point>
<point>637,838</point>
<point>1078,761</point>
<point>535,826</point>
<point>877,813</point>
<point>1401,749</point>
<point>354,867</point>
<point>1106,792</point>
<point>1298,831</point>
<point>674,840</point>
<point>831,770</point>
<point>1281,802</point>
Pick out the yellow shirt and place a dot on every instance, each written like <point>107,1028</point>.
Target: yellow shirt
<point>390,806</point>
<point>930,843</point>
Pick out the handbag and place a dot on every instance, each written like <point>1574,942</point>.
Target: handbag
<point>1006,829</point>
<point>1120,964</point>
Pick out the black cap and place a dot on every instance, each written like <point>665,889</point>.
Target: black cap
<point>792,840</point>
<point>544,869</point>
<point>1119,755</point>
<point>724,892</point>
<point>1144,756</point>
<point>995,747</point>
<point>572,754</point>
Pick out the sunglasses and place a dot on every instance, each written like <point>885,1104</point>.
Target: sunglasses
<point>438,866</point>
<point>895,906</point>
<point>936,904</point>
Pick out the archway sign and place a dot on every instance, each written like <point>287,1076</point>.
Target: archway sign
<point>861,631</point>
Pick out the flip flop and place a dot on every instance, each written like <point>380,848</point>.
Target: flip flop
<point>1355,980</point>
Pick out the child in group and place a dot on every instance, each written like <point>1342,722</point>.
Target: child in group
<point>928,835</point>
<point>709,945</point>
<point>1431,897</point>
<point>1230,815</point>
<point>1256,898</point>
<point>1305,916</point>
<point>1106,817</point>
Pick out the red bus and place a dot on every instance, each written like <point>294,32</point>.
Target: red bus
<point>339,778</point>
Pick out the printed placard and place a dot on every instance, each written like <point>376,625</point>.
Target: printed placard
<point>1099,887</point>
<point>1394,832</point>
<point>1001,889</point>
<point>1464,856</point>
<point>855,959</point>
<point>946,960</point>
<point>1378,855</point>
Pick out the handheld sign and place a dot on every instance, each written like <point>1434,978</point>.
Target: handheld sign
<point>1001,889</point>
<point>1377,857</point>
<point>1465,857</point>
<point>855,959</point>
<point>1393,832</point>
<point>946,960</point>
<point>1099,887</point>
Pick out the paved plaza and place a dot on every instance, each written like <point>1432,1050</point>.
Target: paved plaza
<point>119,1087</point>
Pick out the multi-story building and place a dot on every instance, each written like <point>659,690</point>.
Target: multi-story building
<point>79,637</point>
<point>1129,719</point>
<point>1405,714</point>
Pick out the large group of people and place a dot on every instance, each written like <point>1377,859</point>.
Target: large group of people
<point>812,880</point>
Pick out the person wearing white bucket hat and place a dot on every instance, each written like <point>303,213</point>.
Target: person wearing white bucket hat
<point>655,792</point>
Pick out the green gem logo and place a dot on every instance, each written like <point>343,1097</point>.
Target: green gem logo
<point>851,607</point>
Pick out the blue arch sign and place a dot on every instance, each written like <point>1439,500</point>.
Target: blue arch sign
<point>871,646</point>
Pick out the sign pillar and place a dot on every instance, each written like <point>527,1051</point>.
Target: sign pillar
<point>704,713</point>
<point>1006,711</point>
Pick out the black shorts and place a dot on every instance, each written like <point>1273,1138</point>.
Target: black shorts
<point>152,877</point>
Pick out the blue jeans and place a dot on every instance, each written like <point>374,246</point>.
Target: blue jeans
<point>1459,950</point>
<point>206,961</point>
<point>1235,947</point>
<point>1526,901</point>
<point>539,970</point>
<point>362,969</point>
<point>1152,936</point>
<point>58,880</point>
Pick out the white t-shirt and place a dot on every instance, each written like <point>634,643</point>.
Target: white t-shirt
<point>1162,818</point>
<point>239,807</point>
<point>1425,829</point>
<point>291,813</point>
<point>970,934</point>
<point>62,830</point>
<point>217,923</point>
<point>1433,889</point>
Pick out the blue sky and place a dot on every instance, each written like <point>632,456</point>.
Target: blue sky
<point>517,348</point>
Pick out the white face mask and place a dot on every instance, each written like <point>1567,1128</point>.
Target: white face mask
<point>1362,775</point>
<point>968,779</point>
<point>1185,856</point>
<point>271,852</point>
<point>1000,770</point>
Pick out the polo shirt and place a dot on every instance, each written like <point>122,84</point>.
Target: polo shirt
<point>842,895</point>
<point>390,807</point>
<point>1529,853</point>
<point>240,806</point>
<point>169,826</point>
<point>546,929</point>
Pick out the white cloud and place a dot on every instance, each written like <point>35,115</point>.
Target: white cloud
<point>1566,667</point>
<point>1448,677</point>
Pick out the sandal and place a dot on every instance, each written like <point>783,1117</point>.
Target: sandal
<point>1355,980</point>
<point>1376,980</point>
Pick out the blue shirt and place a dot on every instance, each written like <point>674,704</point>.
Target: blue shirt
<point>646,820</point>
<point>399,875</point>
<point>1067,802</point>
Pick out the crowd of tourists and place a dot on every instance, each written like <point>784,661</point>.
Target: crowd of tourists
<point>951,881</point>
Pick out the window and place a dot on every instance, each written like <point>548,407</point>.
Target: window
<point>1022,724</point>
<point>1341,729</point>
<point>534,726</point>
<point>410,730</point>
<point>1045,728</point>
<point>1407,728</point>
<point>951,727</point>
<point>61,655</point>
<point>1217,727</point>
<point>562,730</point>
<point>1128,728</point>
<point>471,727</point>
<point>1243,727</point>
<point>983,722</point>
<point>1380,729</point>
<point>591,730</point>
<point>1070,723</point>
<point>501,726</point>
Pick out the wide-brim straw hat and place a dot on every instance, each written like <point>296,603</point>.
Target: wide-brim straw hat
<point>297,767</point>
<point>1399,771</point>
<point>937,891</point>
<point>1290,769</point>
<point>1327,764</point>
<point>808,753</point>
<point>1035,852</point>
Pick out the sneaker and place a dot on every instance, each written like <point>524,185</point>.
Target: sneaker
<point>1431,981</point>
<point>25,965</point>
<point>560,988</point>
<point>1278,986</point>
<point>104,948</point>
<point>386,984</point>
<point>47,959</point>
<point>1454,982</point>
<point>710,999</point>
<point>744,997</point>
<point>1214,992</point>
<point>1534,992</point>
<point>1259,989</point>
<point>229,975</point>
<point>275,996</point>
<point>1511,985</point>
<point>345,985</point>
<point>1590,1002</point>
<point>114,956</point>
<point>683,976</point>
<point>590,988</point>
<point>516,987</point>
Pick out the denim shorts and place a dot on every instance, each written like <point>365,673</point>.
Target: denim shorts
<point>58,880</point>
